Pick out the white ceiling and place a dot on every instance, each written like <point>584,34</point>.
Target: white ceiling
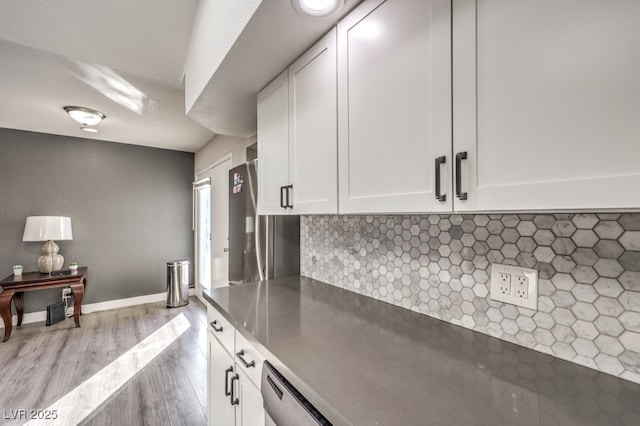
<point>124,58</point>
<point>275,36</point>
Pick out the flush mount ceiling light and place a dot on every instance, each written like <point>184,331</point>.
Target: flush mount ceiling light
<point>318,8</point>
<point>85,116</point>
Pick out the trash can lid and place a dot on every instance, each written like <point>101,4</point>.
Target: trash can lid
<point>177,262</point>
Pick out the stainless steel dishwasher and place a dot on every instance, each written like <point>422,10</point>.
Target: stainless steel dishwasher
<point>284,405</point>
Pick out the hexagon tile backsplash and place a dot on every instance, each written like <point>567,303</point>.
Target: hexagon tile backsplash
<point>439,265</point>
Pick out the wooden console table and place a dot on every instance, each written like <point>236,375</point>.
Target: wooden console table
<point>31,281</point>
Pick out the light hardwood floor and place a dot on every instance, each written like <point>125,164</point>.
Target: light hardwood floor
<point>39,364</point>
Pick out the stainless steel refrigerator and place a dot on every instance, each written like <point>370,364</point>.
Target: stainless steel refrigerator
<point>260,247</point>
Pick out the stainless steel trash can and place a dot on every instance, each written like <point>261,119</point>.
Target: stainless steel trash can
<point>177,283</point>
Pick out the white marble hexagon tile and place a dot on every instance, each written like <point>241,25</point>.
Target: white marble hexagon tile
<point>439,265</point>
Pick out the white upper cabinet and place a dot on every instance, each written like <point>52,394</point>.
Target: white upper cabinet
<point>297,136</point>
<point>394,102</point>
<point>536,100</point>
<point>273,146</point>
<point>313,129</point>
<point>546,102</point>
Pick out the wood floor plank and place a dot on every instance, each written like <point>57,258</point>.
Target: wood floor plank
<point>41,364</point>
<point>197,379</point>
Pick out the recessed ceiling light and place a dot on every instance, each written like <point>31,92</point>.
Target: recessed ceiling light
<point>89,129</point>
<point>318,7</point>
<point>85,116</point>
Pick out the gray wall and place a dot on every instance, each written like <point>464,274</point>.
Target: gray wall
<point>130,209</point>
<point>220,146</point>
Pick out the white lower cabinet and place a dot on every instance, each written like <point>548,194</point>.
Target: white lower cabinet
<point>249,411</point>
<point>249,359</point>
<point>221,369</point>
<point>233,396</point>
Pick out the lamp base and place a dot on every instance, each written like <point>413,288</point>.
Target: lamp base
<point>50,263</point>
<point>51,260</point>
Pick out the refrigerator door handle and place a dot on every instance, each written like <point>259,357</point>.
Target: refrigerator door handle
<point>258,248</point>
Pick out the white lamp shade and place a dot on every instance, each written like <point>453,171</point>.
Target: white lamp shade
<point>44,228</point>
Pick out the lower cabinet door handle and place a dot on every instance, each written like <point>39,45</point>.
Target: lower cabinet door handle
<point>227,392</point>
<point>244,361</point>
<point>234,400</point>
<point>215,326</point>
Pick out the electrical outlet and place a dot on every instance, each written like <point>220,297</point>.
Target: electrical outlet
<point>67,294</point>
<point>504,286</point>
<point>522,287</point>
<point>514,285</point>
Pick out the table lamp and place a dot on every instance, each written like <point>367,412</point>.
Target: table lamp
<point>48,228</point>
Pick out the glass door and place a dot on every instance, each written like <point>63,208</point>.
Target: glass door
<point>220,224</point>
<point>211,227</point>
<point>203,235</point>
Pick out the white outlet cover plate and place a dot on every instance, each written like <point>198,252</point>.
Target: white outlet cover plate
<point>531,301</point>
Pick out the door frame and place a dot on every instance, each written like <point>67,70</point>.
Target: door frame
<point>199,175</point>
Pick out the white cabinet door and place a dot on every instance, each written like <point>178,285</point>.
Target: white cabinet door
<point>313,129</point>
<point>221,370</point>
<point>249,360</point>
<point>273,145</point>
<point>232,398</point>
<point>546,100</point>
<point>250,410</point>
<point>394,101</point>
<point>221,329</point>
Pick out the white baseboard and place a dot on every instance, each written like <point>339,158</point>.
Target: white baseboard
<point>123,303</point>
<point>41,316</point>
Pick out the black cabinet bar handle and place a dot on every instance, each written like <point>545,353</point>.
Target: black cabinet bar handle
<point>289,188</point>
<point>227,392</point>
<point>459,157</point>
<point>282,189</point>
<point>246,364</point>
<point>214,326</point>
<point>232,397</point>
<point>439,196</point>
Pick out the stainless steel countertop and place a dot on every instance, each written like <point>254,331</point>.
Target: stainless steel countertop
<point>365,362</point>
